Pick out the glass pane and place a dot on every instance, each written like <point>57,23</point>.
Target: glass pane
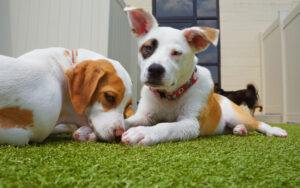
<point>176,25</point>
<point>206,8</point>
<point>214,70</point>
<point>208,23</point>
<point>169,8</point>
<point>210,55</point>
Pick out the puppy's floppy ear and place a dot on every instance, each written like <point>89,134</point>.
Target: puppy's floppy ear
<point>141,22</point>
<point>199,38</point>
<point>82,83</point>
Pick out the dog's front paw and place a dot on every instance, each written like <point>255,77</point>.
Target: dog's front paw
<point>143,136</point>
<point>83,134</point>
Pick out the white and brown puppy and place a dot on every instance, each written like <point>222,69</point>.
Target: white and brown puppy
<point>177,100</point>
<point>44,87</point>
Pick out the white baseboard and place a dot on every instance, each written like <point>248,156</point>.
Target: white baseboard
<point>293,118</point>
<point>271,118</point>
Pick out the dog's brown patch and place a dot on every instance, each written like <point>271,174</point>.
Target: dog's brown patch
<point>210,115</point>
<point>112,84</point>
<point>14,117</point>
<point>90,80</point>
<point>66,53</point>
<point>148,48</point>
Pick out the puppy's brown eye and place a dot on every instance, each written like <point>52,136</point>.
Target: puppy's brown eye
<point>176,53</point>
<point>111,99</point>
<point>148,49</point>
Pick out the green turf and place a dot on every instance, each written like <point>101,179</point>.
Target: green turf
<point>219,161</point>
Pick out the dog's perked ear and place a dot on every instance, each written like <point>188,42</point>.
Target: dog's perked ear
<point>141,22</point>
<point>82,83</point>
<point>199,38</point>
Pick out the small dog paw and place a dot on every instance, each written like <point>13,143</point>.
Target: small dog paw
<point>141,136</point>
<point>91,137</point>
<point>240,130</point>
<point>276,131</point>
<point>83,134</point>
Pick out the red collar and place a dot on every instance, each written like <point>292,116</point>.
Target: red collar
<point>180,91</point>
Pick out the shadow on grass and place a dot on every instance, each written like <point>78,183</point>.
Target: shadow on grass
<point>55,139</point>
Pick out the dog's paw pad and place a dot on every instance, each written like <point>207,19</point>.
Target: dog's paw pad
<point>91,137</point>
<point>240,130</point>
<point>84,133</point>
<point>76,136</point>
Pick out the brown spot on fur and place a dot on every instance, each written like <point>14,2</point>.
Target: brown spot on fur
<point>148,48</point>
<point>128,110</point>
<point>210,115</point>
<point>90,80</point>
<point>14,117</point>
<point>112,84</point>
<point>245,118</point>
<point>66,53</point>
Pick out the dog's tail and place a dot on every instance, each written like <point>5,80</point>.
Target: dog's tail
<point>251,88</point>
<point>252,91</point>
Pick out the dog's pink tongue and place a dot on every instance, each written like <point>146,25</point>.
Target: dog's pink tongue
<point>119,132</point>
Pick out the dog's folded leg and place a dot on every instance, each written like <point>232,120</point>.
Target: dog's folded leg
<point>163,132</point>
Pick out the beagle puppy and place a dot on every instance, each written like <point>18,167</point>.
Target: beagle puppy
<point>48,87</point>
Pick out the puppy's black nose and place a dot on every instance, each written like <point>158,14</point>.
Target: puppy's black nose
<point>156,70</point>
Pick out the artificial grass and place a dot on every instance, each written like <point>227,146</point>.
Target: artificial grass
<point>218,161</point>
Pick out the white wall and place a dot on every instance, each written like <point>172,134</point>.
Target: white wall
<point>280,65</point>
<point>272,83</point>
<point>67,23</point>
<point>291,38</point>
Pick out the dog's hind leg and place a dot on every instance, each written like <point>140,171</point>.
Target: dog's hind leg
<point>235,117</point>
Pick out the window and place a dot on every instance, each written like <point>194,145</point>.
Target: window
<point>186,13</point>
